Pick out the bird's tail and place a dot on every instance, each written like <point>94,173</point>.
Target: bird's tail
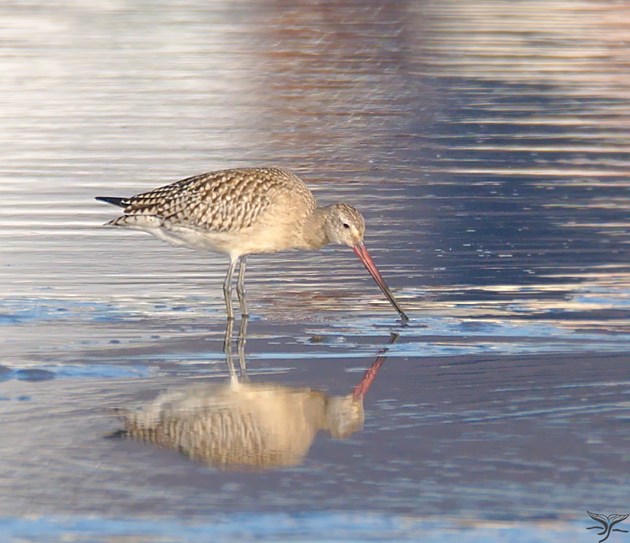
<point>120,202</point>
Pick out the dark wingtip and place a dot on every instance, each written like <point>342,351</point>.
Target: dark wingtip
<point>117,434</point>
<point>120,202</point>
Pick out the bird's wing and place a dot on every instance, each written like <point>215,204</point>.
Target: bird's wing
<point>170,199</point>
<point>602,519</point>
<point>616,518</point>
<point>222,201</point>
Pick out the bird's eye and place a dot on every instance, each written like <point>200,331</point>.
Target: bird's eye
<point>346,225</point>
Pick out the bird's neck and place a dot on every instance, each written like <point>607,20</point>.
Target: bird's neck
<point>314,234</point>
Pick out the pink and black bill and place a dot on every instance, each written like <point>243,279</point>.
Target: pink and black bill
<point>361,251</point>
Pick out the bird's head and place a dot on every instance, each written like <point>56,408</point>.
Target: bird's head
<point>345,225</point>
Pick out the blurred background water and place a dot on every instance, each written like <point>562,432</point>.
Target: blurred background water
<point>486,143</point>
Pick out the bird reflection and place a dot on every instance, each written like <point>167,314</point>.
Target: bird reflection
<point>246,425</point>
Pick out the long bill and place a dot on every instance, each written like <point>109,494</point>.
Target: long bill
<point>361,251</point>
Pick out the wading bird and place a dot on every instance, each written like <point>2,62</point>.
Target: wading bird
<point>246,211</point>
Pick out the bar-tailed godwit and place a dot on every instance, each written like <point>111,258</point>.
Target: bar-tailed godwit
<point>246,211</point>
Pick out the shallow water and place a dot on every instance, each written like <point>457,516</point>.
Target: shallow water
<point>488,150</point>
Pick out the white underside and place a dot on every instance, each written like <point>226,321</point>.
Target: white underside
<point>193,239</point>
<point>235,244</point>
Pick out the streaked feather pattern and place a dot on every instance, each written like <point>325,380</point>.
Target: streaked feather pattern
<point>222,201</point>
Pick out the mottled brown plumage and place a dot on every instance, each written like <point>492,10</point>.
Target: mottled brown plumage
<point>223,201</point>
<point>245,211</point>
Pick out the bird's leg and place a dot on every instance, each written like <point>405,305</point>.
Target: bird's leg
<point>240,286</point>
<point>227,288</point>
<point>242,337</point>
<point>227,349</point>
